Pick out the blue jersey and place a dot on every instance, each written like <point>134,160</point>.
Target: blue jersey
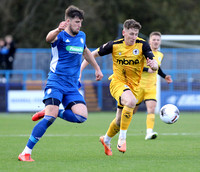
<point>63,83</point>
<point>67,54</point>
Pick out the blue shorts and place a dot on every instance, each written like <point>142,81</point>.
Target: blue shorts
<point>63,89</point>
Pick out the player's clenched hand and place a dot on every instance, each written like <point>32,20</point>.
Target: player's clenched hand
<point>99,75</point>
<point>168,79</point>
<point>150,70</point>
<point>62,25</point>
<point>152,64</point>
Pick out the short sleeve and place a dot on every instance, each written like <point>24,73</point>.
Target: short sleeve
<point>106,48</point>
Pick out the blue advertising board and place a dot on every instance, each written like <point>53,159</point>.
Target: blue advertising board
<point>184,100</point>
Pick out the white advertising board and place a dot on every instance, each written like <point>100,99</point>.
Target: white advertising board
<point>25,100</point>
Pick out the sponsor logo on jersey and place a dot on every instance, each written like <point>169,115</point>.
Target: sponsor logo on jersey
<point>127,62</point>
<point>74,49</point>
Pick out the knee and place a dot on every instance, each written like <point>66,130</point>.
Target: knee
<point>85,115</point>
<point>130,103</point>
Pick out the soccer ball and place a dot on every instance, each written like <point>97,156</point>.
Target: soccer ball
<point>169,113</point>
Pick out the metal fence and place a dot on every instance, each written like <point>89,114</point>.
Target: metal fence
<point>182,64</point>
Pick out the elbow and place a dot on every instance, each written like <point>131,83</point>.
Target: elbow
<point>48,40</point>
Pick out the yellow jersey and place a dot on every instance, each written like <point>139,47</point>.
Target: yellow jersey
<point>150,79</point>
<point>128,61</point>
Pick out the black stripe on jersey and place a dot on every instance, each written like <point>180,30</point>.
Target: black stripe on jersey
<point>119,41</point>
<point>146,49</point>
<point>108,47</point>
<point>120,107</point>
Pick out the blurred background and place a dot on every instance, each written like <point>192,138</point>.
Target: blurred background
<point>27,22</point>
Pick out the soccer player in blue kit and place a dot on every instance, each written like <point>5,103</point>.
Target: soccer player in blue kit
<point>68,45</point>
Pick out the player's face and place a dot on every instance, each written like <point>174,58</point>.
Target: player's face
<point>155,41</point>
<point>75,25</point>
<point>130,35</point>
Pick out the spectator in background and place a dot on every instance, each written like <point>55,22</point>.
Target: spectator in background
<point>3,57</point>
<point>3,54</point>
<point>11,52</point>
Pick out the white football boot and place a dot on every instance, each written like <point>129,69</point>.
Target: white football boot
<point>152,135</point>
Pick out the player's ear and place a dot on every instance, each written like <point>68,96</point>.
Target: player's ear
<point>123,32</point>
<point>67,21</point>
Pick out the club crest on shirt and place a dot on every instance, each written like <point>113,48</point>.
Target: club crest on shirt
<point>135,51</point>
<point>49,91</point>
<point>82,40</point>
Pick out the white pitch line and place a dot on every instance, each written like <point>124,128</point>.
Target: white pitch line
<point>96,135</point>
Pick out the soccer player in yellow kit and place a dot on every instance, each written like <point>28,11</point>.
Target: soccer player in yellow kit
<point>128,56</point>
<point>148,85</point>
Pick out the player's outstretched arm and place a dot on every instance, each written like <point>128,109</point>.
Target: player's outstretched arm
<point>85,63</point>
<point>152,63</point>
<point>168,79</point>
<point>89,58</point>
<point>83,66</point>
<point>52,35</point>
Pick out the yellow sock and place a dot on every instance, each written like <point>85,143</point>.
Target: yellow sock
<point>113,129</point>
<point>150,120</point>
<point>126,117</point>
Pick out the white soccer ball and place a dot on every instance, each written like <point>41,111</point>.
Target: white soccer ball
<point>169,113</point>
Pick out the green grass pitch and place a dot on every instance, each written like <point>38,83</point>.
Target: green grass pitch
<point>76,147</point>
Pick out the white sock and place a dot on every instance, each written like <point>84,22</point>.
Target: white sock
<point>26,150</point>
<point>149,130</point>
<point>122,134</point>
<point>107,139</point>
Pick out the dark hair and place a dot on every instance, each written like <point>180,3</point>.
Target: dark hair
<point>155,33</point>
<point>131,23</point>
<point>73,11</point>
